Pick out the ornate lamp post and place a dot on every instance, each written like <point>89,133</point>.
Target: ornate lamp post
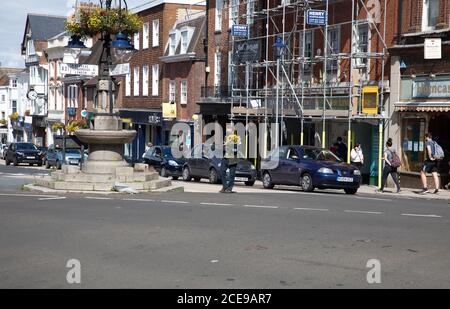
<point>106,139</point>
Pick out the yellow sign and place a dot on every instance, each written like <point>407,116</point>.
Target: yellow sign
<point>169,110</point>
<point>370,100</point>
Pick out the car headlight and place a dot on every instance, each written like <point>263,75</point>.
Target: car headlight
<point>357,172</point>
<point>325,170</point>
<point>20,153</point>
<point>173,163</point>
<point>252,167</point>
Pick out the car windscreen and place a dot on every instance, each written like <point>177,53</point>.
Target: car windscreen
<point>320,155</point>
<point>26,147</point>
<point>167,151</point>
<point>73,151</point>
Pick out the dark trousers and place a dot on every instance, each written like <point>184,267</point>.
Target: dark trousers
<point>228,178</point>
<point>390,170</point>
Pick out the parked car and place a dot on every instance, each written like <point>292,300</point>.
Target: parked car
<point>161,158</point>
<point>309,167</point>
<point>18,153</point>
<point>207,164</point>
<point>54,157</point>
<point>3,149</point>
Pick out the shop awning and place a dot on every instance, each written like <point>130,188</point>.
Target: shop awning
<point>422,106</point>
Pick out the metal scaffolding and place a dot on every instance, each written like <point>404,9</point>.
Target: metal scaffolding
<point>318,76</point>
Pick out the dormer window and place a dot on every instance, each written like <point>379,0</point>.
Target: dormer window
<point>172,44</point>
<point>184,41</point>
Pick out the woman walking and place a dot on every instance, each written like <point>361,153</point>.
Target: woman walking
<point>390,167</point>
<point>356,156</point>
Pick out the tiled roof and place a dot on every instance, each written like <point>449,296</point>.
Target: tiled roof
<point>44,27</point>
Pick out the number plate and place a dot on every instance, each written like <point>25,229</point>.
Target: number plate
<point>345,179</point>
<point>73,162</point>
<point>241,179</point>
<point>30,157</point>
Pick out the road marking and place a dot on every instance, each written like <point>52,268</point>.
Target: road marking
<point>137,200</point>
<point>26,195</point>
<point>97,198</point>
<point>258,206</point>
<point>175,202</point>
<point>372,198</point>
<point>426,216</point>
<point>52,198</point>
<point>317,209</point>
<point>364,212</point>
<point>217,204</point>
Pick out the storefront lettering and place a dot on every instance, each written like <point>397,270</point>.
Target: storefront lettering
<point>431,89</point>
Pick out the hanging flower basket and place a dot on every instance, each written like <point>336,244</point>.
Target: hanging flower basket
<point>72,127</point>
<point>3,121</point>
<point>57,126</point>
<point>88,22</point>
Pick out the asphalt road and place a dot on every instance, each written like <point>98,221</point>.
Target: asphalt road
<point>200,240</point>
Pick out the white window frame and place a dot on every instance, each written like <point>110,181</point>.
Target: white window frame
<point>172,43</point>
<point>172,91</point>
<point>217,68</point>
<point>233,12</point>
<point>333,48</point>
<point>14,108</point>
<point>136,81</point>
<point>145,74</point>
<point>155,80</point>
<point>426,12</point>
<point>359,46</point>
<point>184,92</point>
<point>14,83</point>
<point>218,15</point>
<point>155,33</point>
<point>128,84</point>
<point>250,11</point>
<point>145,35</point>
<point>136,40</point>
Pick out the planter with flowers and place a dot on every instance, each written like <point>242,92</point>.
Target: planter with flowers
<point>57,126</point>
<point>3,122</point>
<point>91,21</point>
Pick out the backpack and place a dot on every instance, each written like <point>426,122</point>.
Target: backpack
<point>395,162</point>
<point>438,152</point>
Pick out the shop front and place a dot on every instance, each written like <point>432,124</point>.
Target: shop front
<point>424,108</point>
<point>148,125</point>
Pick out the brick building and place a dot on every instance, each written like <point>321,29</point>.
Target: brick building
<point>420,79</point>
<point>144,89</point>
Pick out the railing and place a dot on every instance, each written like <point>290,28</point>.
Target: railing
<point>221,92</point>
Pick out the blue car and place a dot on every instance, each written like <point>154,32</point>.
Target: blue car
<point>309,167</point>
<point>54,157</point>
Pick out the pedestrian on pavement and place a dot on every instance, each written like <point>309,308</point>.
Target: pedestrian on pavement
<point>357,156</point>
<point>390,157</point>
<point>447,186</point>
<point>229,163</point>
<point>341,149</point>
<point>430,165</point>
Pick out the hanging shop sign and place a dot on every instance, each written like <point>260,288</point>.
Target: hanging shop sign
<point>433,48</point>
<point>119,69</point>
<point>169,110</point>
<point>316,17</point>
<point>431,89</point>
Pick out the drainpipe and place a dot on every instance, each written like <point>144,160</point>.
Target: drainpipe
<point>205,45</point>
<point>399,20</point>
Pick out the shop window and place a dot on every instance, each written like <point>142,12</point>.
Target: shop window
<point>413,145</point>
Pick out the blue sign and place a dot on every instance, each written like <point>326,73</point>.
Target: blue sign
<point>239,30</point>
<point>316,17</point>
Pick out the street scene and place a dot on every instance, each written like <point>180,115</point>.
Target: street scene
<point>225,145</point>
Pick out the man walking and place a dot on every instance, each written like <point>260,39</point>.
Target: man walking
<point>229,163</point>
<point>430,165</point>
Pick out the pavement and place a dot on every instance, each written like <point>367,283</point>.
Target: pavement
<point>256,238</point>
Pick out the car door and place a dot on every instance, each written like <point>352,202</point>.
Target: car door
<point>156,158</point>
<point>50,157</point>
<point>290,166</point>
<point>277,161</point>
<point>202,163</point>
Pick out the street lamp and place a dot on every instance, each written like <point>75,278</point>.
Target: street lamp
<point>278,47</point>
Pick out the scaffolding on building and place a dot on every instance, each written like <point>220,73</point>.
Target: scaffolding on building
<point>311,84</point>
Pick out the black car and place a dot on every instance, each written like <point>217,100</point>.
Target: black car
<point>18,153</point>
<point>309,167</point>
<point>161,158</point>
<point>205,162</point>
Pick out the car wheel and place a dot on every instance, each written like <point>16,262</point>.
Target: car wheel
<point>175,177</point>
<point>307,183</point>
<point>30,164</point>
<point>163,172</point>
<point>350,191</point>
<point>15,162</point>
<point>186,174</point>
<point>267,181</point>
<point>213,177</point>
<point>250,183</point>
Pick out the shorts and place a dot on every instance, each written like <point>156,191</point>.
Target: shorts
<point>430,167</point>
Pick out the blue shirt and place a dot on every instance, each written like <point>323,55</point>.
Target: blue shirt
<point>431,144</point>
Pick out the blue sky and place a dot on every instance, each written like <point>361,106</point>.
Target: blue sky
<point>13,15</point>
